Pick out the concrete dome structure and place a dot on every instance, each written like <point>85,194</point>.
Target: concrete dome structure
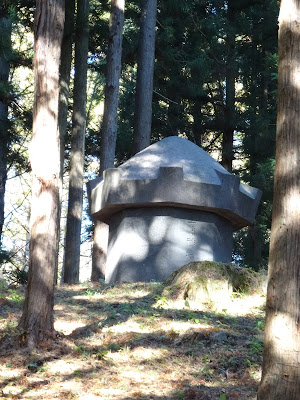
<point>170,204</point>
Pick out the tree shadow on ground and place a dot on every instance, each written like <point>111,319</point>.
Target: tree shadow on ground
<point>227,343</point>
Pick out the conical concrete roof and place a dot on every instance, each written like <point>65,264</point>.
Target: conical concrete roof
<point>173,172</point>
<point>173,151</point>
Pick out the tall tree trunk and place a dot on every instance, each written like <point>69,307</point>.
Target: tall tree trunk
<point>75,206</point>
<point>37,317</point>
<point>198,122</point>
<point>109,126</point>
<point>64,75</point>
<point>255,247</point>
<point>5,52</point>
<point>144,81</point>
<point>173,112</point>
<point>259,89</point>
<point>281,368</point>
<point>229,120</point>
<point>64,82</point>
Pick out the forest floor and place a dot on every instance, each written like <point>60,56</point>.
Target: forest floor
<point>129,342</point>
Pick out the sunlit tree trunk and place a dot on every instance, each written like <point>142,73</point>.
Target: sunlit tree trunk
<point>5,52</point>
<point>109,126</point>
<point>281,367</point>
<point>37,318</point>
<point>144,81</point>
<point>75,204</point>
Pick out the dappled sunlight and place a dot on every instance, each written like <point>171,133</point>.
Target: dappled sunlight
<point>279,335</point>
<point>132,243</point>
<point>67,327</point>
<point>7,373</point>
<point>290,9</point>
<point>157,235</point>
<point>129,341</point>
<point>136,325</point>
<point>243,306</point>
<point>173,152</point>
<point>138,354</point>
<point>235,305</point>
<point>63,367</point>
<point>293,203</point>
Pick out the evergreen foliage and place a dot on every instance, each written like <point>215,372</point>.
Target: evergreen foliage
<point>189,97</point>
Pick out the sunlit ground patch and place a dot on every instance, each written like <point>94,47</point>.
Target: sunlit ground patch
<point>129,342</point>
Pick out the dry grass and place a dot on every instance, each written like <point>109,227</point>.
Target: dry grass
<point>131,342</point>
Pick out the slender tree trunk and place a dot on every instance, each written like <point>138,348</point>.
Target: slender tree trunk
<point>144,81</point>
<point>64,82</point>
<point>109,126</point>
<point>37,317</point>
<point>75,206</point>
<point>281,368</point>
<point>173,112</point>
<point>5,49</point>
<point>197,123</point>
<point>113,73</point>
<point>64,75</point>
<point>255,248</point>
<point>99,251</point>
<point>259,89</point>
<point>229,121</point>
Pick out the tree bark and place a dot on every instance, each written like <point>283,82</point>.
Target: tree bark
<point>113,73</point>
<point>198,122</point>
<point>64,75</point>
<point>255,248</point>
<point>75,205</point>
<point>144,81</point>
<point>64,82</point>
<point>281,369</point>
<point>5,27</point>
<point>109,126</point>
<point>229,115</point>
<point>37,318</point>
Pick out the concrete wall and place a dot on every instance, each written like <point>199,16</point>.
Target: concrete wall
<point>150,243</point>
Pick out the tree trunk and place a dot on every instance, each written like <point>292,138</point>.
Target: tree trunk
<point>109,126</point>
<point>174,114</point>
<point>229,124</point>
<point>113,72</point>
<point>144,81</point>
<point>198,122</point>
<point>37,317</point>
<point>259,89</point>
<point>64,75</point>
<point>99,252</point>
<point>255,247</point>
<point>75,206</point>
<point>64,82</point>
<point>281,369</point>
<point>5,27</point>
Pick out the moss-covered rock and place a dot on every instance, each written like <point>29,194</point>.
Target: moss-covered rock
<point>211,282</point>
